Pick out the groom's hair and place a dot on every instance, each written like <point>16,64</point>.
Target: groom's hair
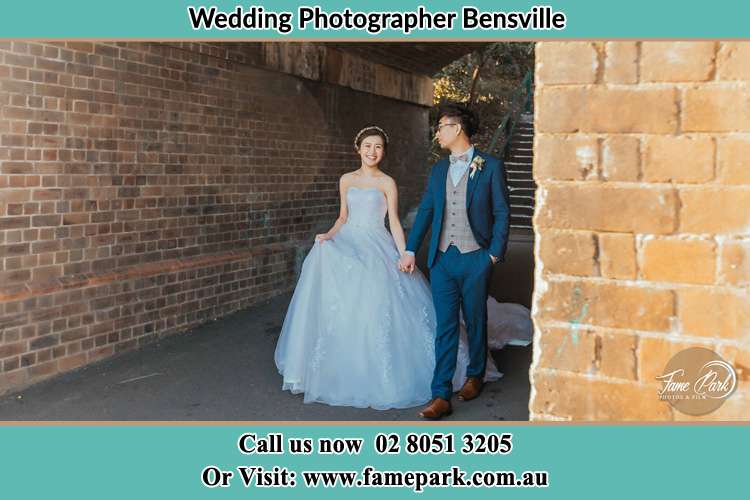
<point>468,118</point>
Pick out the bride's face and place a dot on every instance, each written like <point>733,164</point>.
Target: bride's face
<point>371,150</point>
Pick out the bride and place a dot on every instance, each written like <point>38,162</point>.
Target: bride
<point>358,332</point>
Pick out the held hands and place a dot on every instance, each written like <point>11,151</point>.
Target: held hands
<point>406,263</point>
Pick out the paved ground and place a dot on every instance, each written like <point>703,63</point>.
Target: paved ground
<point>225,371</point>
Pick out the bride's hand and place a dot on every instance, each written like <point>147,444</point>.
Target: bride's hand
<point>406,263</point>
<point>320,238</point>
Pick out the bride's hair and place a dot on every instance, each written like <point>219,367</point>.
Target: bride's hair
<point>370,131</point>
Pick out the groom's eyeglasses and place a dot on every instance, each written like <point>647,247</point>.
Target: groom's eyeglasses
<point>439,127</point>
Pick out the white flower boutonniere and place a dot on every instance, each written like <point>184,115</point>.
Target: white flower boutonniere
<point>476,164</point>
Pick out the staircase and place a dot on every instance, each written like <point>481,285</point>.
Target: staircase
<point>518,171</point>
<point>513,141</point>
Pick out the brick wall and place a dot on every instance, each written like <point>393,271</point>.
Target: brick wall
<point>145,188</point>
<point>642,157</point>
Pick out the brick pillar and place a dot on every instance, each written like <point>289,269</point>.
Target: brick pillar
<point>642,157</point>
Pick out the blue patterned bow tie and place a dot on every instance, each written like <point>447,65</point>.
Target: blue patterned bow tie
<point>454,158</point>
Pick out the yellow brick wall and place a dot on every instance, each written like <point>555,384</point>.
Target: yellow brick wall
<point>642,158</point>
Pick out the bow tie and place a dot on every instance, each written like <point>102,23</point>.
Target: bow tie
<point>454,158</point>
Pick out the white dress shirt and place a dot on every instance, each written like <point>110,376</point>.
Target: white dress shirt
<point>459,168</point>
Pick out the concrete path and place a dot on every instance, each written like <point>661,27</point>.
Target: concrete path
<point>224,370</point>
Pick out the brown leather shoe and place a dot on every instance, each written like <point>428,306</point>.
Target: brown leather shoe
<point>471,389</point>
<point>437,409</point>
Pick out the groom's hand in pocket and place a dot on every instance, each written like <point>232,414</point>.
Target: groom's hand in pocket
<point>407,262</point>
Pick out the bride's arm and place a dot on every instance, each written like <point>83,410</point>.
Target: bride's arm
<point>343,212</point>
<point>391,193</point>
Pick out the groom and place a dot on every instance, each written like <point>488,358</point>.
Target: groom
<point>466,206</point>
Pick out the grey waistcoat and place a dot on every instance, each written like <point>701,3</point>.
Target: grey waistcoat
<point>456,229</point>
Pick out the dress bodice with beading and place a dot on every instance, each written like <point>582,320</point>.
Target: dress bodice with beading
<point>367,207</point>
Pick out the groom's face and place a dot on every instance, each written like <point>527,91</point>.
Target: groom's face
<point>447,131</point>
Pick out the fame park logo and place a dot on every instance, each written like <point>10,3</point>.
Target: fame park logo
<point>697,381</point>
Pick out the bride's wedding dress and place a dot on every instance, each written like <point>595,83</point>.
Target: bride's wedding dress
<point>358,332</point>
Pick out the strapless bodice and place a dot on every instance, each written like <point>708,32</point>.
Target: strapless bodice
<point>367,207</point>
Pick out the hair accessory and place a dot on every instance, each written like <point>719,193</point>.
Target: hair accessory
<point>359,134</point>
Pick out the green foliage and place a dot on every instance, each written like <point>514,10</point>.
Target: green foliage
<point>503,66</point>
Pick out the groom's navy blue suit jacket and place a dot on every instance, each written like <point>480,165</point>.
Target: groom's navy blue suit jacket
<point>487,204</point>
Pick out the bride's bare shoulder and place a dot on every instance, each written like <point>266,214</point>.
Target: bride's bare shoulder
<point>388,186</point>
<point>346,179</point>
<point>388,181</point>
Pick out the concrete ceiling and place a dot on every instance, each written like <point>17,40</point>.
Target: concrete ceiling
<point>425,58</point>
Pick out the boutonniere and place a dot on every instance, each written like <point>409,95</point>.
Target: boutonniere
<point>476,164</point>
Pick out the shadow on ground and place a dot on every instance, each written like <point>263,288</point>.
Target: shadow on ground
<point>224,370</point>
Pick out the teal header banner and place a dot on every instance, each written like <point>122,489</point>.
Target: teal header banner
<point>358,461</point>
<point>385,20</point>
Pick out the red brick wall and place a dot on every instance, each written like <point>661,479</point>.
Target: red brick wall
<point>145,188</point>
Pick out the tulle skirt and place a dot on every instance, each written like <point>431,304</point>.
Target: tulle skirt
<point>359,332</point>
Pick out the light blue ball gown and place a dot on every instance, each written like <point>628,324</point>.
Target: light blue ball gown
<point>359,332</point>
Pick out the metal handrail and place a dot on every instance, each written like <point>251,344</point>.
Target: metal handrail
<point>508,123</point>
<point>520,101</point>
